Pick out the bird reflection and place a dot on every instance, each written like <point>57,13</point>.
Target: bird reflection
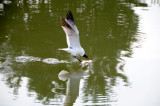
<point>74,76</point>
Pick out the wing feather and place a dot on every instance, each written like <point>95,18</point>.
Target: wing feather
<point>72,33</point>
<point>66,27</point>
<point>70,20</point>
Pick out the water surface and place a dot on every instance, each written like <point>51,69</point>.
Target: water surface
<point>121,37</point>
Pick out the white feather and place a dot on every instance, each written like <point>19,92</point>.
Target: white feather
<point>72,37</point>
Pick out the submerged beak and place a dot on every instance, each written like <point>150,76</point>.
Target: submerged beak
<point>85,56</point>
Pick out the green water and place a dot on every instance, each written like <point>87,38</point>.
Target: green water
<point>121,37</point>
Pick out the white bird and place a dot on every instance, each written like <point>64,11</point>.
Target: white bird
<point>72,36</point>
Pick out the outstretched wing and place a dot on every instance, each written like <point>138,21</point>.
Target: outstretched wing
<point>66,27</point>
<point>72,33</point>
<point>70,20</point>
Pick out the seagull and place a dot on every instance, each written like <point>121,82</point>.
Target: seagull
<point>72,36</point>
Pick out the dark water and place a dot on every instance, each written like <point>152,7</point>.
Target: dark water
<point>120,36</point>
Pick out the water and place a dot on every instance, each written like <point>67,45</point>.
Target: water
<point>121,38</point>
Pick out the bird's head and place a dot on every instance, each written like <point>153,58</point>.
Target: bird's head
<point>85,56</point>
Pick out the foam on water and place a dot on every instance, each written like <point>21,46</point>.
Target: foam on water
<point>53,61</point>
<point>24,59</point>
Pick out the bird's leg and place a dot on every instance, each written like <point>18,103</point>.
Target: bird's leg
<point>77,59</point>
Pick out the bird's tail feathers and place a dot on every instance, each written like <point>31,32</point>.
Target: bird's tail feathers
<point>65,49</point>
<point>62,48</point>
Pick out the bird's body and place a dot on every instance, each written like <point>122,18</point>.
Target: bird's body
<point>73,42</point>
<point>72,36</point>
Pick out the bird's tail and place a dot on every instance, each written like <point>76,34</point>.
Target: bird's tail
<point>65,49</point>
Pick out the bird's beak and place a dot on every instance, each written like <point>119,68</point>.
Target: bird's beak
<point>86,57</point>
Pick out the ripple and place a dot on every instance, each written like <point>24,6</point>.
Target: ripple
<point>53,61</point>
<point>24,59</point>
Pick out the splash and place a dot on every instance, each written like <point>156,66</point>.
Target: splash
<point>25,59</point>
<point>53,61</point>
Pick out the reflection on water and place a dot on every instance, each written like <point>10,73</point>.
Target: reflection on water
<point>73,83</point>
<point>30,61</point>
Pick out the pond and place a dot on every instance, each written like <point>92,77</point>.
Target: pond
<point>121,37</point>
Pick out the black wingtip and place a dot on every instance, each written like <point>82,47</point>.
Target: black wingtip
<point>69,16</point>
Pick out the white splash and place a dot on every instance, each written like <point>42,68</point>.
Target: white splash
<point>25,59</point>
<point>53,61</point>
<point>86,63</point>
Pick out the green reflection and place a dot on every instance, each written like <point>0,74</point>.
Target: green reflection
<point>32,28</point>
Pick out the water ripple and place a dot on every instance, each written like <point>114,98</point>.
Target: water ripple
<point>24,59</point>
<point>53,61</point>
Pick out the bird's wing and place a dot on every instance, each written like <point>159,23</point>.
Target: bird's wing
<point>71,31</point>
<point>66,27</point>
<point>70,20</point>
